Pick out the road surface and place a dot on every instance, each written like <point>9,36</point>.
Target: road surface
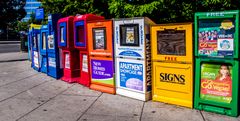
<point>11,47</point>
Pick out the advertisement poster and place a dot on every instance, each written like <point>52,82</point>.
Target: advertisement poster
<point>131,75</point>
<point>102,71</point>
<point>36,63</point>
<point>225,46</point>
<point>50,42</point>
<point>130,35</point>
<point>85,63</point>
<point>216,37</point>
<point>99,39</point>
<point>67,61</point>
<point>52,62</point>
<point>216,82</point>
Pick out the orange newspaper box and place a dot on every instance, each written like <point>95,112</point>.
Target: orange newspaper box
<point>100,44</point>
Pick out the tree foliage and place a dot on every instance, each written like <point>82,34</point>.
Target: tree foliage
<point>70,7</point>
<point>24,26</point>
<point>11,11</point>
<point>165,11</point>
<point>160,11</point>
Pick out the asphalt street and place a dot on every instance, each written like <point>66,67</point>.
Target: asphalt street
<point>11,47</point>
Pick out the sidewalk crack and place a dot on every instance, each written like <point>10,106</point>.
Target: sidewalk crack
<point>202,116</point>
<point>19,80</point>
<point>22,92</point>
<point>89,107</point>
<point>142,111</point>
<point>43,103</point>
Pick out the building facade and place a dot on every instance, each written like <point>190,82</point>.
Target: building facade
<point>30,8</point>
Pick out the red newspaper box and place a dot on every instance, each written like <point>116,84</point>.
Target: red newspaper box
<point>81,43</point>
<point>70,56</point>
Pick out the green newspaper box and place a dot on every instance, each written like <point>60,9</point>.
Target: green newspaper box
<point>217,65</point>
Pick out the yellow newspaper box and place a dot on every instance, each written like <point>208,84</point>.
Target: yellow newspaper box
<point>172,58</point>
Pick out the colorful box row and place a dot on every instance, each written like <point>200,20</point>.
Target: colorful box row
<point>118,57</point>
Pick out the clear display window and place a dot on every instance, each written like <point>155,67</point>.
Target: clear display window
<point>62,34</point>
<point>50,42</point>
<point>129,35</point>
<point>216,82</point>
<point>99,38</point>
<point>171,42</point>
<point>216,37</point>
<point>44,40</point>
<point>80,34</point>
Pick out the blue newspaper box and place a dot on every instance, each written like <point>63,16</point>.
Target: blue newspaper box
<point>35,49</point>
<point>29,46</point>
<point>43,48</point>
<point>55,68</point>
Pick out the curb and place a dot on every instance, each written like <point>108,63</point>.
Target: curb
<point>3,61</point>
<point>10,43</point>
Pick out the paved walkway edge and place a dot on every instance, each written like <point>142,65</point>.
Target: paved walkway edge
<point>3,61</point>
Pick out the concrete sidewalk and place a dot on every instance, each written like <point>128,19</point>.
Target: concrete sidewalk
<point>27,95</point>
<point>13,56</point>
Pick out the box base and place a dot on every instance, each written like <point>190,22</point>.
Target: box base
<point>173,101</point>
<point>105,89</point>
<point>44,70</point>
<point>135,95</point>
<point>215,109</point>
<point>70,80</point>
<point>84,79</point>
<point>55,73</point>
<point>36,69</point>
